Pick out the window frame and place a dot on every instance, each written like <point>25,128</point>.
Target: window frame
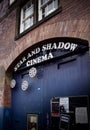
<point>46,5</point>
<point>11,3</point>
<point>24,18</point>
<point>36,21</point>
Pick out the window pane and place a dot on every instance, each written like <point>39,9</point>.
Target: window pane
<point>31,21</point>
<point>27,16</point>
<point>46,7</point>
<point>28,23</point>
<point>51,7</point>
<point>11,1</point>
<point>56,4</point>
<point>28,11</point>
<point>44,1</point>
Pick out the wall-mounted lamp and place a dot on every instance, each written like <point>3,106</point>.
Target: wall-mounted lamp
<point>24,85</point>
<point>32,72</point>
<point>13,83</point>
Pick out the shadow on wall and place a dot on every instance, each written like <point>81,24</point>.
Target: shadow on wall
<point>7,119</point>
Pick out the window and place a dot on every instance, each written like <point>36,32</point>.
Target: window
<point>11,2</point>
<point>46,7</point>
<point>34,11</point>
<point>27,16</point>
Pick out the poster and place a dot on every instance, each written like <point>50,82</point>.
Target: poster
<point>81,115</point>
<point>65,103</point>
<point>32,120</point>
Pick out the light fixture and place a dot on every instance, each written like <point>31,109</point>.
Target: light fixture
<point>32,72</point>
<point>24,85</point>
<point>13,83</point>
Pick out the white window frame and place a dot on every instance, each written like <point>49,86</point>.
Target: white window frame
<point>46,6</point>
<point>11,2</point>
<point>29,17</point>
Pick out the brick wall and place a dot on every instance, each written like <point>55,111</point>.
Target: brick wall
<point>3,8</point>
<point>2,84</point>
<point>5,93</point>
<point>73,21</point>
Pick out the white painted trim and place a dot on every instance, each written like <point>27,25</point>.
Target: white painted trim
<point>11,2</point>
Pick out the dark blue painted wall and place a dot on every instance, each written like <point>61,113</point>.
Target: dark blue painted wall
<point>71,79</point>
<point>7,119</point>
<point>1,118</point>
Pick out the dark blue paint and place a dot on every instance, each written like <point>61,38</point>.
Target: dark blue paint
<point>1,118</point>
<point>71,79</point>
<point>7,119</point>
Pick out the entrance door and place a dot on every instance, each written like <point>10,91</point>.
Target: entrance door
<point>52,80</point>
<point>27,105</point>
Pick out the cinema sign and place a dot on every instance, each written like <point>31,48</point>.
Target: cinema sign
<point>49,50</point>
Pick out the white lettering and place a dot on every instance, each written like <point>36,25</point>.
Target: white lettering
<point>35,61</point>
<point>54,46</point>
<point>28,55</point>
<point>49,46</point>
<point>73,46</point>
<point>43,56</point>
<point>50,56</point>
<point>44,48</point>
<point>18,65</point>
<point>37,50</point>
<point>67,46</point>
<point>15,68</point>
<point>61,45</point>
<point>20,62</point>
<point>24,59</point>
<point>39,59</point>
<point>28,63</point>
<point>33,52</point>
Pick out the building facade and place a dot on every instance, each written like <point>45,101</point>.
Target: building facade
<point>44,64</point>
